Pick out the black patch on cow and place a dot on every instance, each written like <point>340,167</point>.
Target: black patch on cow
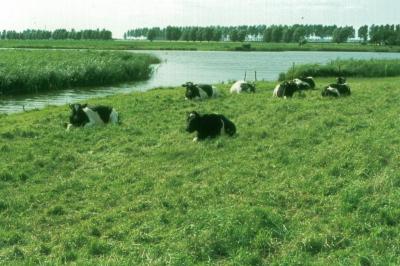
<point>207,88</point>
<point>209,125</point>
<point>309,80</point>
<point>287,88</point>
<point>248,87</point>
<point>192,91</point>
<point>78,117</point>
<point>103,111</point>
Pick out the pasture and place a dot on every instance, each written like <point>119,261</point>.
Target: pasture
<point>306,181</point>
<point>194,46</point>
<point>30,71</point>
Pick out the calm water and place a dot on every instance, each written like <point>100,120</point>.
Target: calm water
<point>178,67</point>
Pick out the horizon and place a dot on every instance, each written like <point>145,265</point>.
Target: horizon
<point>123,15</point>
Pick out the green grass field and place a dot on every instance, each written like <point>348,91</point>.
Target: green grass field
<point>200,46</point>
<point>374,68</point>
<point>23,71</point>
<point>307,181</point>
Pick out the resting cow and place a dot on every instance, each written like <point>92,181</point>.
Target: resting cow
<point>305,83</point>
<point>338,89</point>
<point>285,89</point>
<point>199,91</point>
<point>242,86</point>
<point>85,116</point>
<point>209,125</point>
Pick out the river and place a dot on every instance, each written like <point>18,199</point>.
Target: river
<point>178,67</point>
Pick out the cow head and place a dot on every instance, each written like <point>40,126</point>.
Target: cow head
<point>249,86</point>
<point>341,80</point>
<point>78,116</point>
<point>192,90</point>
<point>192,121</point>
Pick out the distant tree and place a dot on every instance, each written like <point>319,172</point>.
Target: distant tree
<point>267,36</point>
<point>363,33</point>
<point>151,35</point>
<point>287,35</point>
<point>342,34</point>
<point>241,37</point>
<point>299,34</point>
<point>277,34</point>
<point>234,35</point>
<point>217,35</point>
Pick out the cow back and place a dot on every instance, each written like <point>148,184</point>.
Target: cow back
<point>103,111</point>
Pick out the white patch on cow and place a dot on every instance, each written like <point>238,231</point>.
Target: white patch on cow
<point>215,92</point>
<point>276,90</point>
<point>334,90</point>
<point>203,94</point>
<point>94,117</point>
<point>300,82</point>
<point>223,127</point>
<point>113,117</point>
<point>195,139</point>
<point>69,127</point>
<point>237,86</point>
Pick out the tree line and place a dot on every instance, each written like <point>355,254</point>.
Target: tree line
<point>58,34</point>
<point>378,34</point>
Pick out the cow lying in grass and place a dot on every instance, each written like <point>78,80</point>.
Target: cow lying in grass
<point>242,86</point>
<point>285,89</point>
<point>85,116</point>
<point>338,89</point>
<point>209,125</point>
<point>199,91</point>
<point>288,88</point>
<point>305,83</point>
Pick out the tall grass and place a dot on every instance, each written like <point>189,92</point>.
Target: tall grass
<point>347,68</point>
<point>32,71</point>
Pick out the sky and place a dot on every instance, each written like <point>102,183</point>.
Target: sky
<point>121,15</point>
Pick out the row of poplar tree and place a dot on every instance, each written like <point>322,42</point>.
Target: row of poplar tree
<point>384,34</point>
<point>59,34</point>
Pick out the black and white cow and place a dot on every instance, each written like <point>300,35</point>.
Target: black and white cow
<point>338,89</point>
<point>285,89</point>
<point>288,88</point>
<point>209,125</point>
<point>199,91</point>
<point>305,83</point>
<point>84,116</point>
<point>243,86</point>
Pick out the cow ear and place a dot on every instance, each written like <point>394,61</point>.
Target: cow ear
<point>71,106</point>
<point>84,105</point>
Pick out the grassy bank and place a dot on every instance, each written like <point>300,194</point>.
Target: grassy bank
<point>348,68</point>
<point>194,46</point>
<point>32,71</point>
<point>307,181</point>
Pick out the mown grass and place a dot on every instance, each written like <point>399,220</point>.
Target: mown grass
<point>31,71</point>
<point>307,181</point>
<point>193,46</point>
<point>347,68</point>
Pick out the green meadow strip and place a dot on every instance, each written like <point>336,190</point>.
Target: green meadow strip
<point>348,68</point>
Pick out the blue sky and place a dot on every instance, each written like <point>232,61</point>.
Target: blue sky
<point>120,15</point>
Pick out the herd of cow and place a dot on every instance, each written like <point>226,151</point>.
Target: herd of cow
<point>207,125</point>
